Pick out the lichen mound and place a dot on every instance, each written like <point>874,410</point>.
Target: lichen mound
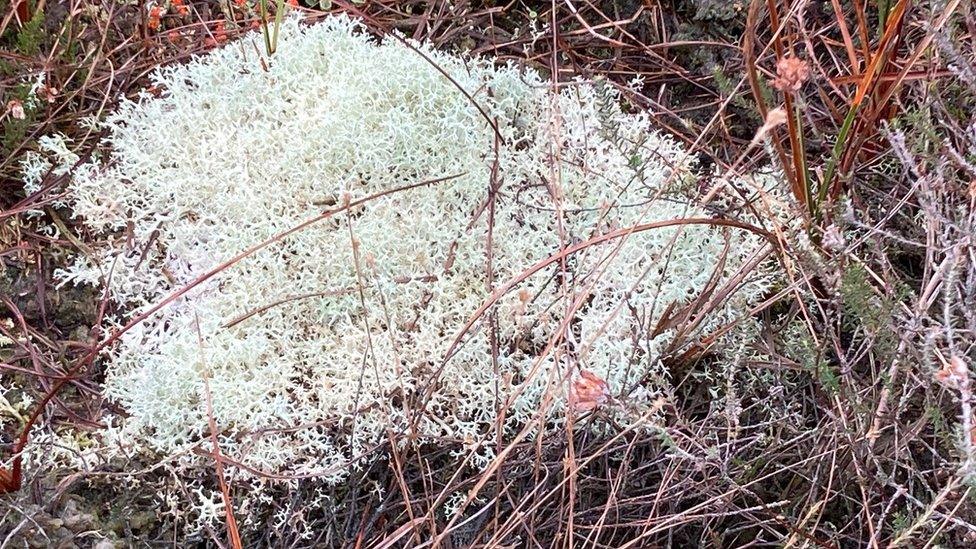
<point>318,347</point>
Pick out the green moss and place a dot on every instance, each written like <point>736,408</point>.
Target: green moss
<point>30,37</point>
<point>15,129</point>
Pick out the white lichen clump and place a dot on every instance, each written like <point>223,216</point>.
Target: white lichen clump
<point>354,316</point>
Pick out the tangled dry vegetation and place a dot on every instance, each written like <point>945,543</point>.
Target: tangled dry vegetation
<point>844,420</point>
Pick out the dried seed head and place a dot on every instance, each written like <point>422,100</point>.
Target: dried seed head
<point>954,374</point>
<point>15,107</point>
<point>774,118</point>
<point>791,73</point>
<point>588,392</point>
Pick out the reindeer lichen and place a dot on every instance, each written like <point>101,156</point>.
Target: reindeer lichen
<point>316,347</point>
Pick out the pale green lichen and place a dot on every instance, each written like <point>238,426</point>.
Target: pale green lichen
<point>236,149</point>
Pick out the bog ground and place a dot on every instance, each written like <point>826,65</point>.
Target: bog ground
<point>579,274</point>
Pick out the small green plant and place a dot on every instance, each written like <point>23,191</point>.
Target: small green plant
<point>864,308</point>
<point>15,126</point>
<point>30,38</point>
